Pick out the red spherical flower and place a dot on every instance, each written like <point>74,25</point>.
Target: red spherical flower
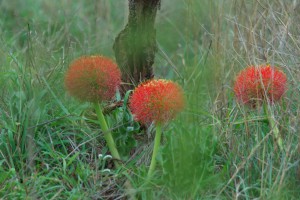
<point>156,101</point>
<point>93,78</point>
<point>257,84</point>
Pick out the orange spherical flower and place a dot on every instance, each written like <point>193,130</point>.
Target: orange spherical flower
<point>93,78</point>
<point>156,101</point>
<point>256,84</point>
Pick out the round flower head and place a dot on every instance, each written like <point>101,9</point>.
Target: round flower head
<point>257,84</point>
<point>156,101</point>
<point>93,78</point>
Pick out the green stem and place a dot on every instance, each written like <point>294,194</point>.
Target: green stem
<point>155,150</point>
<point>274,127</point>
<point>262,170</point>
<point>107,133</point>
<point>112,148</point>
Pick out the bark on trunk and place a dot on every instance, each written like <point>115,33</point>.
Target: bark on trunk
<point>135,46</point>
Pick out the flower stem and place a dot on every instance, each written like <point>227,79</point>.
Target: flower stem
<point>107,133</point>
<point>155,150</point>
<point>112,148</point>
<point>274,127</point>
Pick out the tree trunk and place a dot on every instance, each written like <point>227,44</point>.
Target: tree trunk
<point>135,46</point>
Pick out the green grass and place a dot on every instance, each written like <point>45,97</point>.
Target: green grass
<point>51,146</point>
